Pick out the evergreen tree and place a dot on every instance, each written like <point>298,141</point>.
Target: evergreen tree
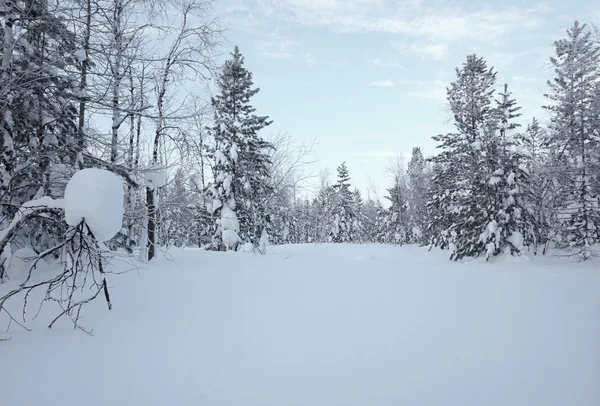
<point>241,163</point>
<point>417,196</point>
<point>539,193</point>
<point>397,223</point>
<point>38,94</point>
<point>478,177</point>
<point>573,139</point>
<point>360,219</point>
<point>344,227</point>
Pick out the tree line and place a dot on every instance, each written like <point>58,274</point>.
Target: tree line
<point>86,84</point>
<point>492,187</point>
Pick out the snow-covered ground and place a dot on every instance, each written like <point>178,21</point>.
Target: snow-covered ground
<point>321,325</point>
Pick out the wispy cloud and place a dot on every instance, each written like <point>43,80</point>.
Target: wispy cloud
<point>385,64</point>
<point>382,83</point>
<point>429,29</point>
<point>424,89</point>
<point>277,47</point>
<point>376,154</point>
<point>422,49</point>
<point>439,21</point>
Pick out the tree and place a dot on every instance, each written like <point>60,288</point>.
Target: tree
<point>188,57</point>
<point>344,227</point>
<point>398,229</point>
<point>38,114</point>
<point>539,193</point>
<point>478,174</point>
<point>418,180</point>
<point>241,161</point>
<point>572,138</point>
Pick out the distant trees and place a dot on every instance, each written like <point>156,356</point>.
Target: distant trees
<point>203,172</point>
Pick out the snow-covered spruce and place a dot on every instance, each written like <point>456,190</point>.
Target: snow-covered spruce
<point>237,197</point>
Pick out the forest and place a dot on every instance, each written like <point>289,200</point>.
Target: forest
<point>106,85</point>
<point>147,202</point>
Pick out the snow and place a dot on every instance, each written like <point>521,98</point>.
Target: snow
<point>516,239</point>
<point>216,205</point>
<point>95,195</point>
<point>230,238</point>
<point>233,152</point>
<point>319,325</point>
<point>80,54</point>
<point>511,178</point>
<point>227,184</point>
<point>155,176</point>
<point>220,158</point>
<point>21,262</point>
<point>230,226</point>
<point>248,247</point>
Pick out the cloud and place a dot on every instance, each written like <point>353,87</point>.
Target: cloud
<point>424,50</point>
<point>382,83</point>
<point>311,59</point>
<point>391,64</point>
<point>423,89</point>
<point>276,47</point>
<point>429,29</point>
<point>376,154</point>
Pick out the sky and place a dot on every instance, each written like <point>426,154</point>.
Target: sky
<point>366,79</point>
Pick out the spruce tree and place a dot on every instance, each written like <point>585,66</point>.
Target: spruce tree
<point>417,196</point>
<point>478,178</point>
<point>539,193</point>
<point>572,139</point>
<point>239,192</point>
<point>398,231</point>
<point>344,227</point>
<point>38,111</point>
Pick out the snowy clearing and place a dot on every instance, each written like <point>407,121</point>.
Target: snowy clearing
<point>321,325</point>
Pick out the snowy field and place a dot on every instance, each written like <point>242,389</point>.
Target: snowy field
<point>327,325</point>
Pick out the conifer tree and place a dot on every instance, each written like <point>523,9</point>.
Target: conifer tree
<point>344,227</point>
<point>478,177</point>
<point>38,94</point>
<point>241,163</point>
<point>539,194</point>
<point>573,141</point>
<point>417,195</point>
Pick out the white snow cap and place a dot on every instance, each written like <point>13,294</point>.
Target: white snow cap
<point>155,176</point>
<point>96,196</point>
<point>80,54</point>
<point>230,227</point>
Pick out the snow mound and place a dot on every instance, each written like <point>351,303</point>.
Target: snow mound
<point>230,226</point>
<point>248,247</point>
<point>155,176</point>
<point>96,196</point>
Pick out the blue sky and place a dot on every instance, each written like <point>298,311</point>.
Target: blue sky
<point>367,78</point>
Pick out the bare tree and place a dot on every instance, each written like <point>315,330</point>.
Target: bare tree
<point>190,57</point>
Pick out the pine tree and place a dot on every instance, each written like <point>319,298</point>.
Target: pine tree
<point>539,192</point>
<point>38,94</point>
<point>417,196</point>
<point>398,223</point>
<point>478,175</point>
<point>572,139</point>
<point>344,227</point>
<point>241,163</point>
<point>509,209</point>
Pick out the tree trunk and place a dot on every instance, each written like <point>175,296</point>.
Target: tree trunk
<point>151,223</point>
<point>83,79</point>
<point>117,77</point>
